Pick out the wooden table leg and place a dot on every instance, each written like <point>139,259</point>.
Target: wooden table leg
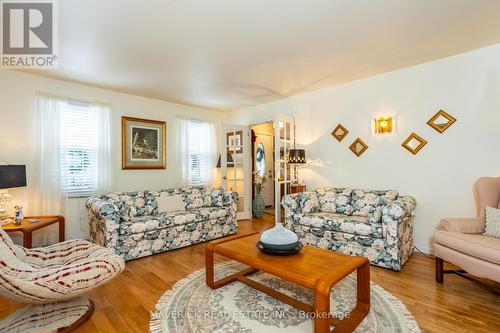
<point>62,235</point>
<point>209,265</point>
<point>321,312</point>
<point>27,239</point>
<point>363,277</point>
<point>209,269</point>
<point>362,304</point>
<point>323,319</point>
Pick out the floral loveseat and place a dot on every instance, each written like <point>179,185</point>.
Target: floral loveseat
<point>130,223</point>
<point>374,224</point>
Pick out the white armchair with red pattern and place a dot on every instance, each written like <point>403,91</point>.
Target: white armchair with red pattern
<point>55,275</point>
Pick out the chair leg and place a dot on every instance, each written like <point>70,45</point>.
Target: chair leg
<point>86,316</point>
<point>439,270</point>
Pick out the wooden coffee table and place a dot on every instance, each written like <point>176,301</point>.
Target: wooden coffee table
<point>312,267</point>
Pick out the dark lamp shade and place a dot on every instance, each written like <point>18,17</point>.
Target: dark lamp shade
<point>230,161</point>
<point>12,176</point>
<point>297,156</point>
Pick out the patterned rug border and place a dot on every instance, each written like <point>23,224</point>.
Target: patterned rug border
<point>155,324</point>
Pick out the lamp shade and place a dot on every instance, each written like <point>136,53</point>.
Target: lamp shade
<point>297,156</point>
<point>230,161</point>
<point>12,176</point>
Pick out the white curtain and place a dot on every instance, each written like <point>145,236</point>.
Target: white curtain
<point>181,152</point>
<point>49,198</point>
<point>104,162</point>
<point>210,146</point>
<point>195,153</point>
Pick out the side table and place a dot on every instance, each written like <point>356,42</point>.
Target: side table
<point>296,188</point>
<point>27,227</point>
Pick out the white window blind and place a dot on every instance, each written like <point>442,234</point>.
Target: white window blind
<point>79,144</point>
<point>199,137</point>
<point>195,152</point>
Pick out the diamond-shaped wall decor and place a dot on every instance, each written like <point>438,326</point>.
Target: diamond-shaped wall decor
<point>339,132</point>
<point>441,121</point>
<point>358,147</point>
<point>414,143</point>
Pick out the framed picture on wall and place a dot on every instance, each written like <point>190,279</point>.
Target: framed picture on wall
<point>144,144</point>
<point>235,141</point>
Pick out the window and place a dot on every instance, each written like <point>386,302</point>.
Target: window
<point>79,146</point>
<point>198,153</point>
<point>196,140</point>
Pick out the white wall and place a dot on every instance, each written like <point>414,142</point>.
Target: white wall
<point>17,141</point>
<point>441,175</point>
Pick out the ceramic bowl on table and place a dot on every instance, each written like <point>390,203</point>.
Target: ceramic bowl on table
<point>279,240</point>
<point>280,247</point>
<point>298,246</point>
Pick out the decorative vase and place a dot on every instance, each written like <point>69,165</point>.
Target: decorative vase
<point>279,236</point>
<point>258,205</point>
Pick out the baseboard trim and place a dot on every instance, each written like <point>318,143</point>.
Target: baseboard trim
<point>424,249</point>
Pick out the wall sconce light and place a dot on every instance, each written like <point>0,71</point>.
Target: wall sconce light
<point>383,125</point>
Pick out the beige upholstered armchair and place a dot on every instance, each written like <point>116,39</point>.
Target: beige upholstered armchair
<point>461,242</point>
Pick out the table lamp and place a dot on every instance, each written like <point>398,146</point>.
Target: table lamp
<point>11,176</point>
<point>295,157</point>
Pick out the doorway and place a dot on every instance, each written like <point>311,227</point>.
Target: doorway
<point>263,162</point>
<point>239,146</point>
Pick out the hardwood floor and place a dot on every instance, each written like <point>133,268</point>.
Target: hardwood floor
<point>124,304</point>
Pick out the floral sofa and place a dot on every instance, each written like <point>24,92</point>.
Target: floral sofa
<point>131,224</point>
<point>374,224</point>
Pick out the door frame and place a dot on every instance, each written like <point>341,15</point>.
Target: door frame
<point>277,185</point>
<point>277,148</point>
<point>247,171</point>
<point>252,158</point>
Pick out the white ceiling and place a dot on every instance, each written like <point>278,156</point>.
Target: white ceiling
<point>229,54</point>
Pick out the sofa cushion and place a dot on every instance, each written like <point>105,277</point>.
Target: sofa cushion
<point>132,204</point>
<point>170,203</point>
<point>164,220</point>
<point>369,203</point>
<point>335,200</point>
<point>476,245</point>
<point>192,196</point>
<point>357,225</point>
<point>492,227</point>
<point>308,202</point>
<point>210,213</point>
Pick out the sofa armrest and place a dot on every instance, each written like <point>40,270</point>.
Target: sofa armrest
<point>291,204</point>
<point>218,197</point>
<point>397,217</point>
<point>101,209</point>
<point>231,199</point>
<point>399,209</point>
<point>302,202</point>
<point>104,221</point>
<point>462,225</point>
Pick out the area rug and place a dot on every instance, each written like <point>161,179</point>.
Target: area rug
<point>191,306</point>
